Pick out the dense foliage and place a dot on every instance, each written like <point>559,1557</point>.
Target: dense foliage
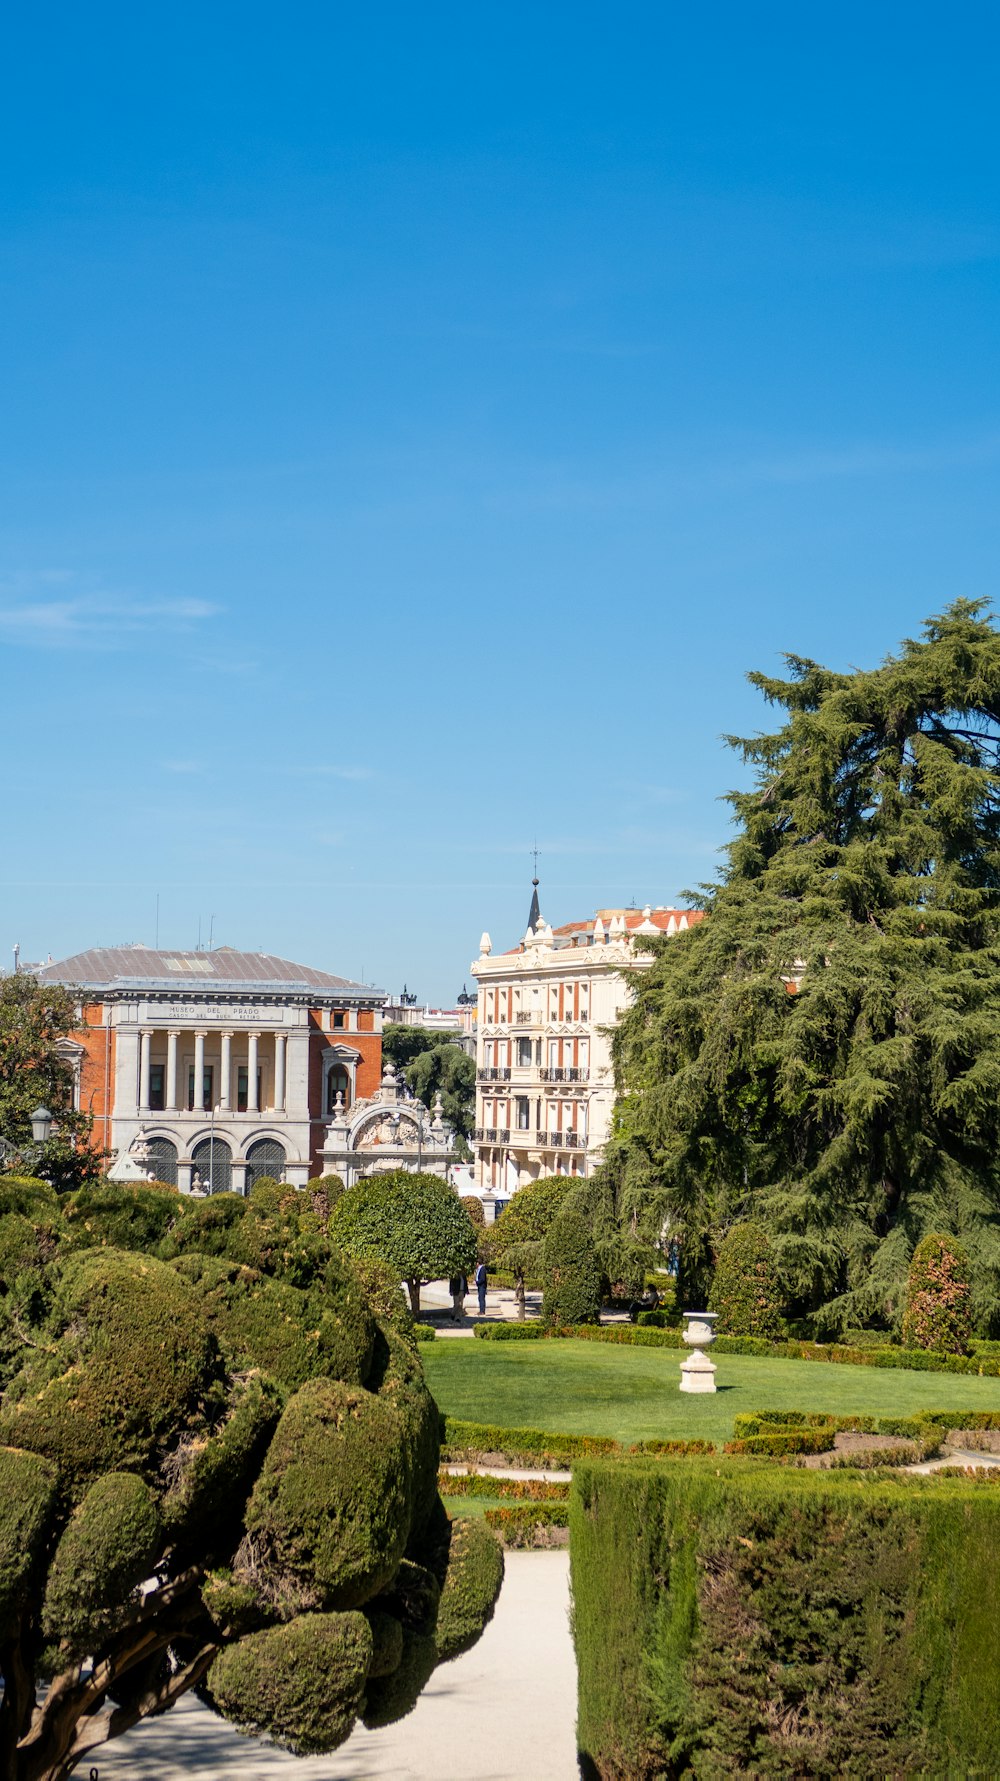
<point>938,1297</point>
<point>34,1018</point>
<point>414,1223</point>
<point>433,1064</point>
<point>741,1618</point>
<point>206,1394</point>
<point>745,1291</point>
<point>571,1273</point>
<point>529,1213</point>
<point>822,1053</point>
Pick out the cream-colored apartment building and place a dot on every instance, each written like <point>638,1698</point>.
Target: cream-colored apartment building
<point>544,1083</point>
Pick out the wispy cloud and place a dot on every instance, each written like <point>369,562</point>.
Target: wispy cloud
<point>183,767</point>
<point>43,611</point>
<point>329,770</point>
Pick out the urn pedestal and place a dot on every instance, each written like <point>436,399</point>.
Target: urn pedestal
<point>698,1372</point>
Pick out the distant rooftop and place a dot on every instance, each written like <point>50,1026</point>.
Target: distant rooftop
<point>626,921</point>
<point>142,967</point>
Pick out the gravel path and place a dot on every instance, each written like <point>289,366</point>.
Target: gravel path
<point>504,1712</point>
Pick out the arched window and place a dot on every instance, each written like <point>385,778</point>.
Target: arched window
<point>212,1159</point>
<point>337,1082</point>
<point>163,1160</point>
<point>265,1158</point>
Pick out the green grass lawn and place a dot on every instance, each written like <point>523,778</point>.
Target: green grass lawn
<point>589,1388</point>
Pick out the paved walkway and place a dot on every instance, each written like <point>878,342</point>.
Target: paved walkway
<point>501,1307</point>
<point>506,1711</point>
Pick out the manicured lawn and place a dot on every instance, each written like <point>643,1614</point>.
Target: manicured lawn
<point>588,1388</point>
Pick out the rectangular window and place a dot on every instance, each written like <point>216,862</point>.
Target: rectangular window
<point>523,1113</point>
<point>242,1082</point>
<point>156,1095</point>
<point>338,1020</point>
<point>524,1051</point>
<point>208,1100</point>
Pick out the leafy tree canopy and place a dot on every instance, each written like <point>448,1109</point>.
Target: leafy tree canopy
<point>34,1017</point>
<point>206,1394</point>
<point>449,1071</point>
<point>822,1054</point>
<point>414,1223</point>
<point>433,1064</point>
<point>530,1212</point>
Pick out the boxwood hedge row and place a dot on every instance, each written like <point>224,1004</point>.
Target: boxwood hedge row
<point>733,1619</point>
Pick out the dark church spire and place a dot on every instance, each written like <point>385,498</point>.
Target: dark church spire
<point>534,913</point>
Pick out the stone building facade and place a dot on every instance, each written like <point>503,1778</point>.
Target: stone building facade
<point>544,1081</point>
<point>229,1064</point>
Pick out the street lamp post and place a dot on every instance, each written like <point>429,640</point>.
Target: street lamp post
<point>27,1156</point>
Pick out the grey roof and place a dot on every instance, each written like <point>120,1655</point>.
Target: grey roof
<point>139,967</point>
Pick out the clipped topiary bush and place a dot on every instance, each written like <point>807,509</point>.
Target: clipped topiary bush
<point>744,1618</point>
<point>530,1213</point>
<point>571,1273</point>
<point>745,1291</point>
<point>938,1312</point>
<point>472,1583</point>
<point>218,1469</point>
<point>302,1685</point>
<point>474,1207</point>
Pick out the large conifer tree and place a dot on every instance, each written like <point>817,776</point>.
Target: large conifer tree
<point>822,1054</point>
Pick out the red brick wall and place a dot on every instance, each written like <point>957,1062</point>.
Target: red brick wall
<point>97,1075</point>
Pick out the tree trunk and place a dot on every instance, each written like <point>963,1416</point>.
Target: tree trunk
<point>413,1288</point>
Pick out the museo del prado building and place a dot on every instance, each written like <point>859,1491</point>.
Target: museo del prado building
<point>211,1069</point>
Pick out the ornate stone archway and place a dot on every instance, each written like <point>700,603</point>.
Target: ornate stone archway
<point>389,1130</point>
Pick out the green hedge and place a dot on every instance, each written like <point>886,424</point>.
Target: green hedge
<point>488,1484</point>
<point>535,1447</point>
<point>777,1442</point>
<point>519,1526</point>
<point>913,1360</point>
<point>519,1446</point>
<point>731,1619</point>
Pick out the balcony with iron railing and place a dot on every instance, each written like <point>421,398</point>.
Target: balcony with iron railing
<point>493,1073</point>
<point>564,1073</point>
<point>560,1140</point>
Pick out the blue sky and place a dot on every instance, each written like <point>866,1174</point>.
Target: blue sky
<point>415,421</point>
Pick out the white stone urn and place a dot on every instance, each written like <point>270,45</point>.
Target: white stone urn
<point>698,1372</point>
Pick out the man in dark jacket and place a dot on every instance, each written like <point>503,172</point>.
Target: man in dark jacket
<point>480,1279</point>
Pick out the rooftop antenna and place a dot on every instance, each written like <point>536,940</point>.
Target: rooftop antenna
<point>156,942</point>
<point>534,856</point>
<point>198,947</point>
<point>211,931</point>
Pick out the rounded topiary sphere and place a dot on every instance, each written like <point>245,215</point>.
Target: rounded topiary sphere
<point>474,1207</point>
<point>302,1684</point>
<point>745,1291</point>
<point>333,1505</point>
<point>571,1273</point>
<point>938,1311</point>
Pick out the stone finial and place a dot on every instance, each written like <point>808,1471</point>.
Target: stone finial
<point>485,945</point>
<point>598,931</point>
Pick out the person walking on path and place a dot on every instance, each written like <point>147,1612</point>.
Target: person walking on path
<point>480,1279</point>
